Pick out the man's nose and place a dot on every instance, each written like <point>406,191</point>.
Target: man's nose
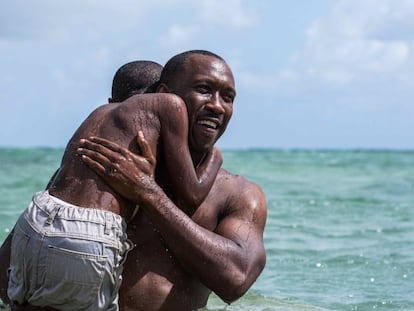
<point>216,104</point>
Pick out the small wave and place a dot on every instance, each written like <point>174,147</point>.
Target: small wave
<point>256,302</point>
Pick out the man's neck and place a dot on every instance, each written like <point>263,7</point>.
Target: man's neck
<point>198,158</point>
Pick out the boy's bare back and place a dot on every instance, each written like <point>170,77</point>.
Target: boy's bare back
<point>77,184</point>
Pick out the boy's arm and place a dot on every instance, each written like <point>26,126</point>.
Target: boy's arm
<point>211,164</point>
<point>189,189</point>
<point>188,185</point>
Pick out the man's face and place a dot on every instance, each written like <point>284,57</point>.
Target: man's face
<point>207,87</point>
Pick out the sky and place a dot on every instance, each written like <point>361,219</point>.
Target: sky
<point>309,73</point>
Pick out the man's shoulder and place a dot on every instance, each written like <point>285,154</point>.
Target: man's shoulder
<point>235,179</point>
<point>239,197</point>
<point>238,186</point>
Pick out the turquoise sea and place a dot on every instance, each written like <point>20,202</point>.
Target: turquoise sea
<point>340,228</point>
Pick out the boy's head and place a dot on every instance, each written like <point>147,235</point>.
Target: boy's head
<point>133,78</point>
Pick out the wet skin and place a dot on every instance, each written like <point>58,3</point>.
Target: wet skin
<point>184,254</point>
<point>162,118</point>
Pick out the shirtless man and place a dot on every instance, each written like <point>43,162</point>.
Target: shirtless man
<point>183,254</point>
<point>79,220</point>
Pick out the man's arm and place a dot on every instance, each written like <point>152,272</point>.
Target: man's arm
<point>234,251</point>
<point>4,266</point>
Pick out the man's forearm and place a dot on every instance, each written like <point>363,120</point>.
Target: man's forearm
<point>199,250</point>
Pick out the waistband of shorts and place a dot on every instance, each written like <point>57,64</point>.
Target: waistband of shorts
<point>48,204</point>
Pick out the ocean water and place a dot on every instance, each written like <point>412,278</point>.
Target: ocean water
<point>340,228</point>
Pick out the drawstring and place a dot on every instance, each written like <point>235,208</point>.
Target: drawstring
<point>52,215</point>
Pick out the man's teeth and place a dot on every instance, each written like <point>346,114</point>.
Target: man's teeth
<point>208,123</point>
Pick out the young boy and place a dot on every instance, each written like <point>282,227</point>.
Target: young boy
<point>69,245</point>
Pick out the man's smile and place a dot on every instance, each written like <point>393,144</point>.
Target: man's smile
<point>213,124</point>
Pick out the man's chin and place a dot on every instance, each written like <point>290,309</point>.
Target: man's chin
<point>201,149</point>
<point>203,144</point>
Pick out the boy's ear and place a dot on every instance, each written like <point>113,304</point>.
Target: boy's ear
<point>162,88</point>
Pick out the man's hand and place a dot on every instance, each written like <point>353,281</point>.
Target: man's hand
<point>129,174</point>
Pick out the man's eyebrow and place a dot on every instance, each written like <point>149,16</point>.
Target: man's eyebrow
<point>231,90</point>
<point>214,81</point>
<point>203,80</point>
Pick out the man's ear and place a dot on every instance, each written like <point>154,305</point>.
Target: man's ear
<point>162,88</point>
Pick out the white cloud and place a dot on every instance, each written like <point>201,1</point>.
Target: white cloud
<point>229,12</point>
<point>26,19</point>
<point>206,16</point>
<point>359,39</point>
<point>178,36</point>
<point>355,43</point>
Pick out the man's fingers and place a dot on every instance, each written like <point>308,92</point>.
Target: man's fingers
<point>145,148</point>
<point>94,149</point>
<point>94,155</point>
<point>103,167</point>
<point>94,165</point>
<point>102,160</point>
<point>106,143</point>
